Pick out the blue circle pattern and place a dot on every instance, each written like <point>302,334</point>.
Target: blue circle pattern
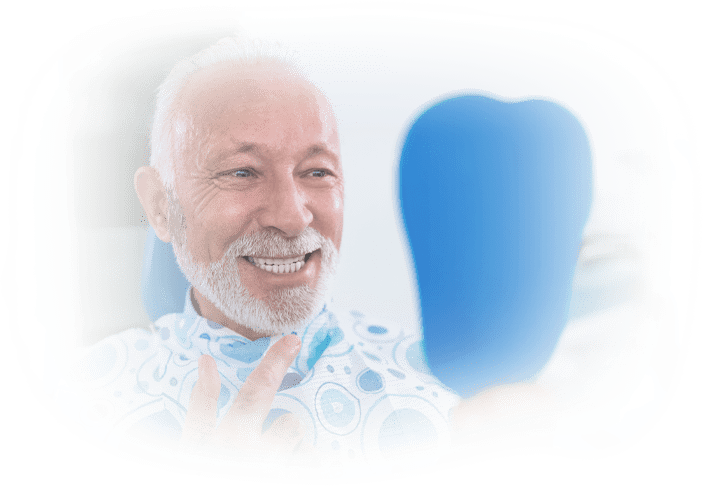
<point>396,374</point>
<point>339,409</point>
<point>377,330</point>
<point>370,381</point>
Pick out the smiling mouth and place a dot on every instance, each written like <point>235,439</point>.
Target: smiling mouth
<point>279,265</point>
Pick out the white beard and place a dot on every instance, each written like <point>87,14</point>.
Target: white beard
<point>284,310</point>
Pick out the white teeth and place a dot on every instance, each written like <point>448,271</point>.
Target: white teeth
<point>279,265</point>
<point>277,261</point>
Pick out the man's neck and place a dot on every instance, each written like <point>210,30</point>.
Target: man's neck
<point>206,309</point>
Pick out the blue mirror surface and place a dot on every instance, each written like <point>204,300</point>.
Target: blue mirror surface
<point>494,197</point>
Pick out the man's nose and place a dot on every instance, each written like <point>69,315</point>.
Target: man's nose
<point>286,208</point>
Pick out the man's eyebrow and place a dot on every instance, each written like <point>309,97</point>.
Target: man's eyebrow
<point>240,148</point>
<point>318,149</point>
<point>246,147</point>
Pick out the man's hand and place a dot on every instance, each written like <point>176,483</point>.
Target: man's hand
<point>502,403</point>
<point>241,428</point>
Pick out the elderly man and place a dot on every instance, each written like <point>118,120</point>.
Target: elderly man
<point>246,182</point>
<point>261,184</point>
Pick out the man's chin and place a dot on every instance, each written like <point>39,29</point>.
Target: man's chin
<point>284,309</point>
<point>290,311</point>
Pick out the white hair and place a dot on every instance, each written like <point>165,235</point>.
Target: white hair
<point>174,134</point>
<point>172,130</point>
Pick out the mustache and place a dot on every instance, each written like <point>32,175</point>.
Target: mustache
<point>270,243</point>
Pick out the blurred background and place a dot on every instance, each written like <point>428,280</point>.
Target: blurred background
<point>109,139</point>
<point>378,85</point>
<point>379,74</point>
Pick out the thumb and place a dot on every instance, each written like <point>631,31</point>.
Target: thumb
<point>208,384</point>
<point>203,405</point>
<point>260,387</point>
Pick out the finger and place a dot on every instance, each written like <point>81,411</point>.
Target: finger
<point>246,416</point>
<point>284,435</point>
<point>203,404</point>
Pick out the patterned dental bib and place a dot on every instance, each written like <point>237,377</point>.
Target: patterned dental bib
<point>359,385</point>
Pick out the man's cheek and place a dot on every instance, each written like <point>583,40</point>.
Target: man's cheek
<point>329,216</point>
<point>338,202</point>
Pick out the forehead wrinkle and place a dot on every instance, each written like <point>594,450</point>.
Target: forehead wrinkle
<point>318,149</point>
<point>212,161</point>
<point>208,97</point>
<point>191,141</point>
<point>205,127</point>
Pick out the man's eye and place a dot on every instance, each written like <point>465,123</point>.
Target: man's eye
<point>319,173</point>
<point>239,173</point>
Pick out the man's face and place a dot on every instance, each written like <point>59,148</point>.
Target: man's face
<point>261,195</point>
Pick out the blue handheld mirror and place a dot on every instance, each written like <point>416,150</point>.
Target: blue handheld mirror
<point>494,197</point>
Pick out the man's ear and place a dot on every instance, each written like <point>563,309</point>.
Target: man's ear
<point>152,195</point>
